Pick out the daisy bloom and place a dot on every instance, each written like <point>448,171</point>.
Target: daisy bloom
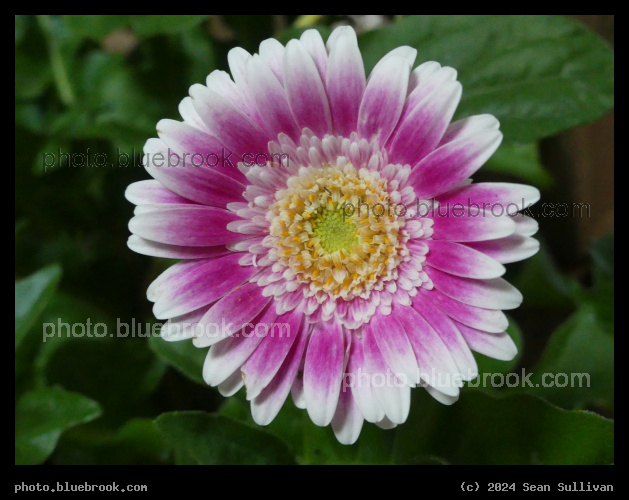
<point>332,243</point>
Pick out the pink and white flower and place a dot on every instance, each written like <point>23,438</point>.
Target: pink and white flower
<point>302,194</point>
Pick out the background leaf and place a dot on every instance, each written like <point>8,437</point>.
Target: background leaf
<point>40,418</point>
<point>211,439</point>
<point>513,67</point>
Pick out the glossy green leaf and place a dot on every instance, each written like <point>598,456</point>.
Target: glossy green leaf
<point>577,367</point>
<point>42,415</point>
<point>521,161</point>
<point>31,296</point>
<point>538,75</point>
<point>516,429</point>
<point>213,439</point>
<point>183,356</point>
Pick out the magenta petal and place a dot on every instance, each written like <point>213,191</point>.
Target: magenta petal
<point>510,249</point>
<point>313,43</point>
<point>194,225</point>
<point>468,228</point>
<point>495,345</point>
<point>392,393</point>
<point>305,90</point>
<point>489,320</point>
<point>228,124</point>
<point>420,131</point>
<point>436,365</point>
<point>187,286</point>
<point>228,356</point>
<point>383,99</point>
<point>395,348</point>
<point>193,183</point>
<point>497,197</point>
<point>269,96</point>
<point>345,82</point>
<point>461,260</point>
<point>194,149</point>
<point>265,362</point>
<point>232,314</point>
<point>451,337</point>
<point>452,163</point>
<point>358,379</point>
<point>323,370</point>
<point>267,405</point>
<point>151,192</point>
<point>494,293</point>
<point>154,249</point>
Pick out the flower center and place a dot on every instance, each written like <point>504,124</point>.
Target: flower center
<point>331,229</point>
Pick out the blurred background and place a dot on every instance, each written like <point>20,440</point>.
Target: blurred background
<point>89,91</point>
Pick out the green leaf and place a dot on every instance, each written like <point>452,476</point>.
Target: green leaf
<point>601,295</point>
<point>543,286</point>
<point>82,339</point>
<point>137,442</point>
<point>213,439</point>
<point>95,27</point>
<point>40,418</point>
<point>159,24</point>
<point>538,75</point>
<point>520,160</point>
<point>517,429</point>
<point>183,356</point>
<point>31,296</point>
<point>21,25</point>
<point>578,364</point>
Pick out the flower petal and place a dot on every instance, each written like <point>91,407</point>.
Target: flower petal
<point>469,228</point>
<point>461,260</point>
<point>186,180</point>
<point>348,420</point>
<point>267,405</point>
<point>266,361</point>
<point>383,99</point>
<point>395,347</point>
<point>420,131</point>
<point>154,249</point>
<point>194,225</point>
<point>449,165</point>
<point>498,197</point>
<point>451,337</point>
<point>436,365</point>
<point>495,345</point>
<point>495,293</point>
<point>488,320</point>
<point>345,81</point>
<point>506,250</point>
<point>305,91</point>
<point>358,379</point>
<point>392,393</point>
<point>269,96</point>
<point>228,124</point>
<point>228,356</point>
<point>151,192</point>
<point>231,314</point>
<point>323,370</point>
<point>189,285</point>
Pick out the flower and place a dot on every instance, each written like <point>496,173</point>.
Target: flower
<point>332,243</point>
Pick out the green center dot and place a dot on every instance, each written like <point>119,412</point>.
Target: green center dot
<point>333,231</point>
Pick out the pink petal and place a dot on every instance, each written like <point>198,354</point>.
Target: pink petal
<point>323,370</point>
<point>345,81</point>
<point>194,225</point>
